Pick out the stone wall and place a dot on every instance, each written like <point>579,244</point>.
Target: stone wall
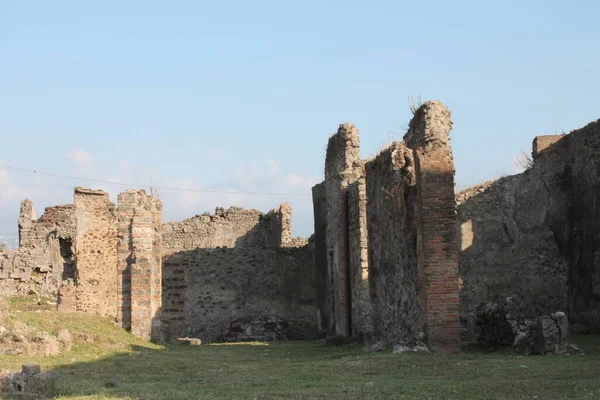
<point>234,264</point>
<point>324,286</point>
<point>391,222</point>
<point>45,254</point>
<point>139,266</point>
<point>429,138</point>
<point>358,259</point>
<point>530,241</point>
<point>94,289</point>
<point>343,166</point>
<point>391,242</point>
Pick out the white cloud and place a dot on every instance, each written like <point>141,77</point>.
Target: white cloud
<point>80,157</point>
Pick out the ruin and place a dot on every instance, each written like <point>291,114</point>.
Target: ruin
<point>390,267</point>
<point>164,281</point>
<point>397,257</point>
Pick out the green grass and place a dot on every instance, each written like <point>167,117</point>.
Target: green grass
<point>299,370</point>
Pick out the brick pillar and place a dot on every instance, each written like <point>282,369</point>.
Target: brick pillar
<point>437,269</point>
<point>125,212</point>
<point>142,274</point>
<point>140,263</point>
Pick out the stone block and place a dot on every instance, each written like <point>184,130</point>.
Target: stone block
<point>30,369</point>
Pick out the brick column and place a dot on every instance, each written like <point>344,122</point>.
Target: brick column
<point>140,264</point>
<point>437,268</point>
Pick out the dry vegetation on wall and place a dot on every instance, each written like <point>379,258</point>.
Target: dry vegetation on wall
<point>116,365</point>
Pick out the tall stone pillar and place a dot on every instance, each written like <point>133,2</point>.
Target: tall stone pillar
<point>342,167</point>
<point>438,286</point>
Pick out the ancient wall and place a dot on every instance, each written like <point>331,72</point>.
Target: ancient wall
<point>45,254</point>
<point>234,264</point>
<point>438,275</point>
<point>94,289</point>
<point>358,259</point>
<point>530,241</point>
<point>324,286</point>
<point>392,243</point>
<point>390,235</point>
<point>139,268</point>
<point>343,166</point>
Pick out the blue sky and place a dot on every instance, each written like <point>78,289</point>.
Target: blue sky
<point>243,95</point>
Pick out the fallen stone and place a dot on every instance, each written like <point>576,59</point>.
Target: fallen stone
<point>546,334</point>
<point>410,348</point>
<point>375,347</point>
<point>30,369</point>
<point>82,337</point>
<point>43,344</point>
<point>190,341</point>
<point>64,339</point>
<point>28,386</point>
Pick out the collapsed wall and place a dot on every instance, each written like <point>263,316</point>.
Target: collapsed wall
<point>390,270</point>
<point>233,265</point>
<point>530,241</point>
<point>45,255</point>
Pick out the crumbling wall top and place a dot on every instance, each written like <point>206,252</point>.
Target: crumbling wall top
<point>430,127</point>
<point>80,190</point>
<point>343,152</point>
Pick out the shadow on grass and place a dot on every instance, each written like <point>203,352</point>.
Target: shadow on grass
<point>311,370</point>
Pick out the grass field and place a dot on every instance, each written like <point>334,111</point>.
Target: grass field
<point>296,370</point>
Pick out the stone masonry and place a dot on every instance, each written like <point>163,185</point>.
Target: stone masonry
<point>531,241</point>
<point>342,168</point>
<point>139,265</point>
<point>235,265</point>
<point>397,257</point>
<point>392,258</point>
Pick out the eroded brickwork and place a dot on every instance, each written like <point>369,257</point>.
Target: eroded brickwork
<point>429,138</point>
<point>94,290</point>
<point>391,230</point>
<point>140,263</point>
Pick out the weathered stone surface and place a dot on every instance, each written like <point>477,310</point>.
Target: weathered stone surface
<point>189,341</point>
<point>390,235</point>
<point>234,264</point>
<point>262,328</point>
<point>44,256</point>
<point>43,344</point>
<point>343,166</point>
<point>28,386</point>
<point>30,369</point>
<point>547,334</point>
<point>534,237</point>
<point>412,347</point>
